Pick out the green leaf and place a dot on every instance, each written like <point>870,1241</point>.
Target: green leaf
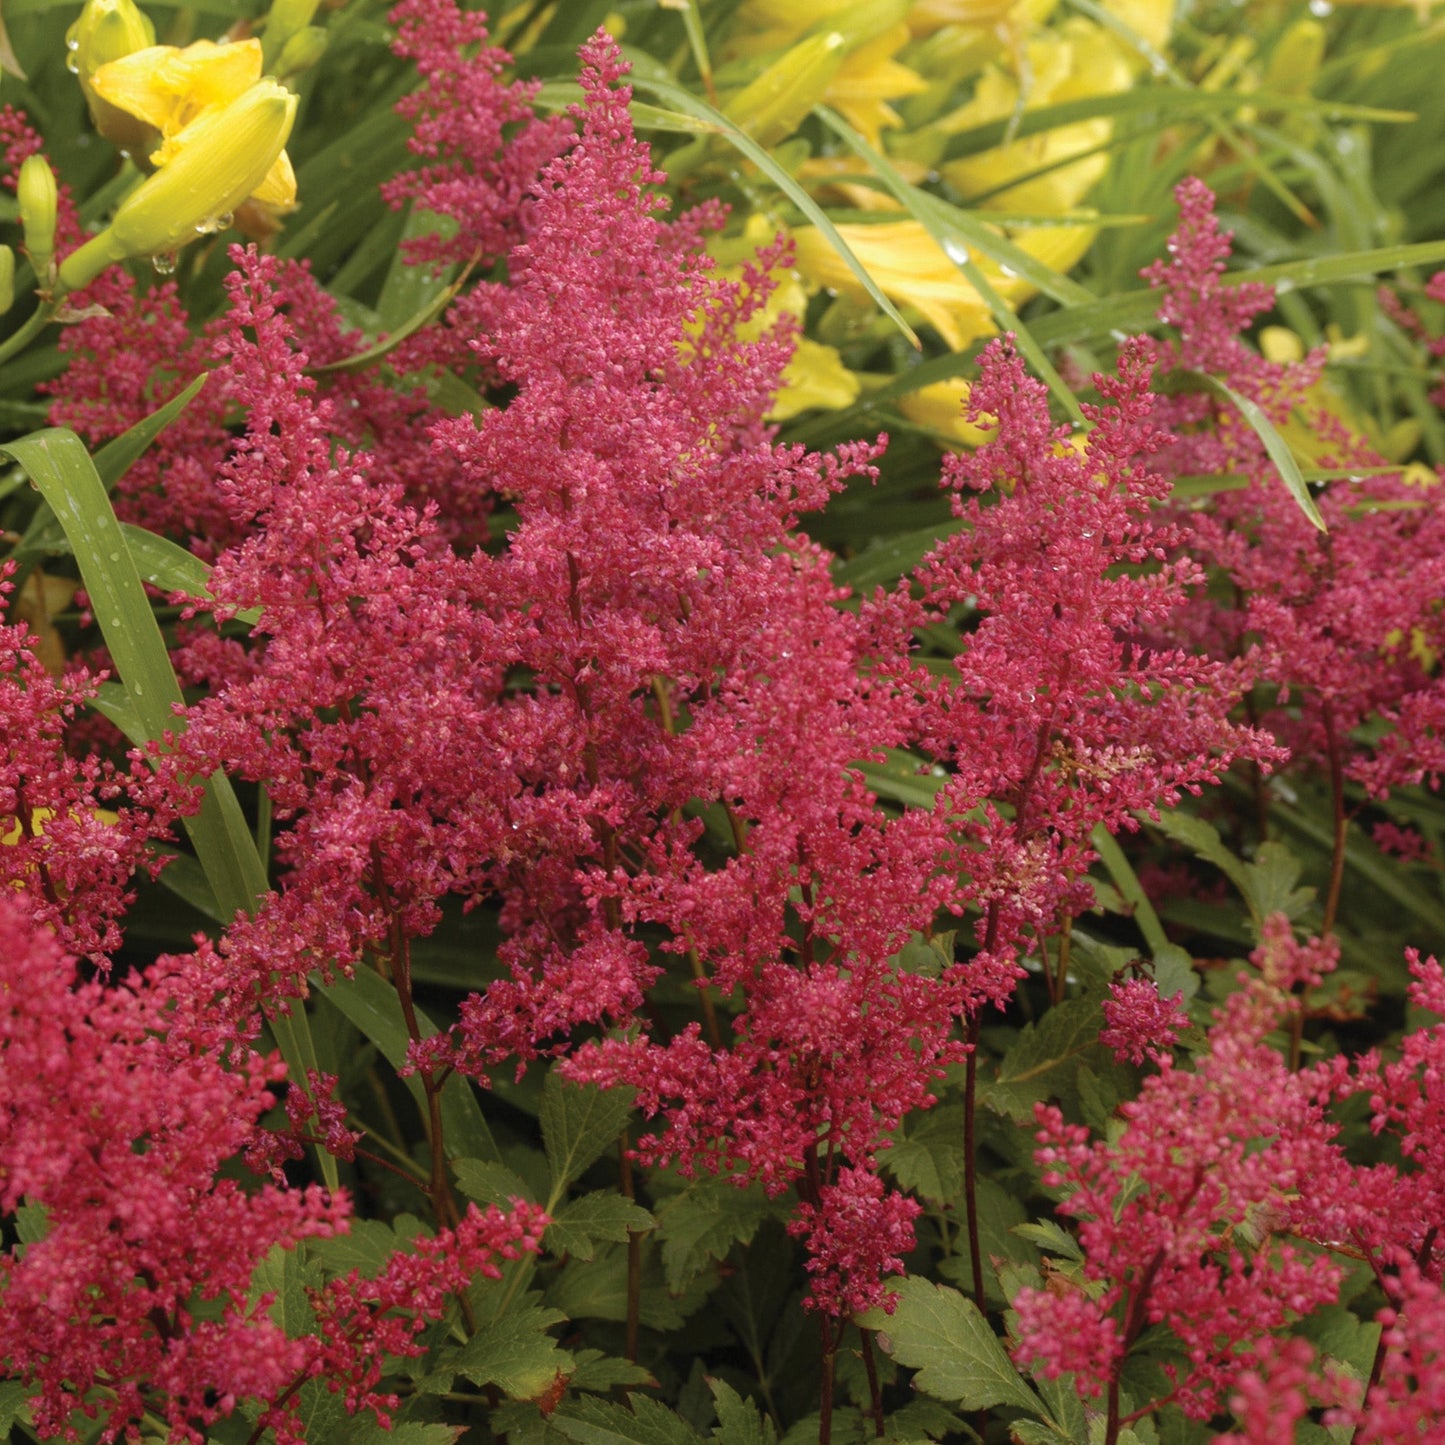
<point>597,1422</point>
<point>601,1217</point>
<point>739,1421</point>
<point>703,1223</point>
<point>13,1395</point>
<point>580,1123</point>
<point>1274,443</point>
<point>367,1245</point>
<point>958,236</point>
<point>1043,1060</point>
<point>926,1155</point>
<point>488,1182</point>
<point>365,1431</point>
<point>1045,1234</point>
<point>513,1353</point>
<point>57,462</point>
<point>1111,855</point>
<point>684,101</point>
<point>373,1006</point>
<point>940,1333</point>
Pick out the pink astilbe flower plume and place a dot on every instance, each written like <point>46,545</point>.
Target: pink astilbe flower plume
<point>116,1111</point>
<point>1063,713</point>
<point>1341,622</point>
<point>1184,1218</point>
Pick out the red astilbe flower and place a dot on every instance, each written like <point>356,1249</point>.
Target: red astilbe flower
<point>1061,709</point>
<point>115,1115</point>
<point>1180,1216</point>
<point>687,650</point>
<point>1341,621</point>
<point>1139,1023</point>
<point>68,842</point>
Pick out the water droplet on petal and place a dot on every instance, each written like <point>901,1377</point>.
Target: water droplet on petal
<point>72,64</point>
<point>164,263</point>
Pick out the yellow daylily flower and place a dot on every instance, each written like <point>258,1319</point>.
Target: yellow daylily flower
<point>911,268</point>
<point>869,78</point>
<point>228,155</point>
<point>940,408</point>
<point>1071,63</point>
<point>171,90</point>
<point>815,377</point>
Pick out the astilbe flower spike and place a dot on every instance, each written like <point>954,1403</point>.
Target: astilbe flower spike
<point>117,1108</point>
<point>1339,622</point>
<point>1064,712</point>
<point>1182,1217</point>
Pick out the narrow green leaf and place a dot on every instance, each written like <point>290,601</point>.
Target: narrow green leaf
<point>940,1333</point>
<point>373,1006</point>
<point>1111,855</point>
<point>956,241</point>
<point>580,1123</point>
<point>57,462</point>
<point>682,100</point>
<point>114,459</point>
<point>943,220</point>
<point>1274,443</point>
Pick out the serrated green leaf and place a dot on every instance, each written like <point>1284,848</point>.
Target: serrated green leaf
<point>647,1422</point>
<point>1049,1236</point>
<point>513,1353</point>
<point>926,1157</point>
<point>13,1395</point>
<point>599,1373</point>
<point>580,1123</point>
<point>1043,1060</point>
<point>739,1421</point>
<point>488,1182</point>
<point>703,1223</point>
<point>365,1247</point>
<point>410,1432</point>
<point>600,1217</point>
<point>940,1333</point>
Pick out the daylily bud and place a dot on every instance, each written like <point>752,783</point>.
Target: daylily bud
<point>773,106</point>
<point>287,18</point>
<point>212,166</point>
<point>110,30</point>
<point>7,279</point>
<point>301,51</point>
<point>38,198</point>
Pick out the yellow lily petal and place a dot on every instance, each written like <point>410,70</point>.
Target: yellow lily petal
<point>912,268</point>
<point>170,88</point>
<point>940,408</point>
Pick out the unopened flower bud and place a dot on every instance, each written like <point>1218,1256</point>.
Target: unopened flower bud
<point>7,279</point>
<point>774,105</point>
<point>38,196</point>
<point>301,51</point>
<point>212,166</point>
<point>287,19</point>
<point>110,30</point>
